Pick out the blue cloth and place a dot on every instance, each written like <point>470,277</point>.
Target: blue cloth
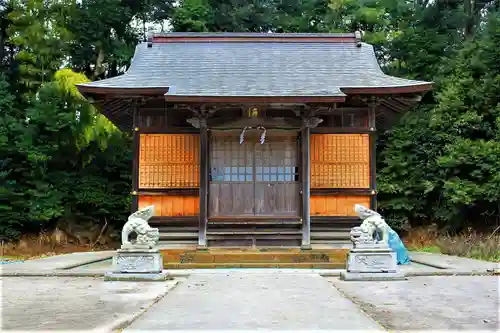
<point>397,246</point>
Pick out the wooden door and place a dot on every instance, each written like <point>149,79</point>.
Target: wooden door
<point>276,176</point>
<point>253,179</point>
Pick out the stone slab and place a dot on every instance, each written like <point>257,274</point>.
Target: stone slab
<point>66,304</point>
<point>137,262</point>
<point>112,276</point>
<point>444,261</point>
<point>350,276</point>
<point>63,261</point>
<point>435,303</point>
<point>372,261</point>
<point>242,301</point>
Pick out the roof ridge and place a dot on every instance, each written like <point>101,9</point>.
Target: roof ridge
<point>249,37</point>
<point>255,34</point>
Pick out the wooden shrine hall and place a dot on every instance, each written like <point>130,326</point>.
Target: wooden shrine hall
<point>252,140</point>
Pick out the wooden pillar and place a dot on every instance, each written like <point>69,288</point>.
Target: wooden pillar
<point>306,186</point>
<point>135,158</point>
<point>203,218</point>
<point>373,152</point>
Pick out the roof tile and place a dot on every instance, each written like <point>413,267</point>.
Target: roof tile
<point>254,68</point>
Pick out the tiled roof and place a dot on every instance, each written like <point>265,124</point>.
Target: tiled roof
<point>254,68</point>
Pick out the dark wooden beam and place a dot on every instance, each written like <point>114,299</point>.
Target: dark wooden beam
<point>340,130</point>
<point>338,110</point>
<point>341,191</point>
<point>305,139</point>
<point>204,165</point>
<point>135,160</point>
<point>373,153</point>
<point>168,130</point>
<point>170,191</point>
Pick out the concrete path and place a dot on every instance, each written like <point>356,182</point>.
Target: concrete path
<point>241,301</point>
<point>74,304</point>
<point>444,261</point>
<point>59,262</point>
<point>438,303</point>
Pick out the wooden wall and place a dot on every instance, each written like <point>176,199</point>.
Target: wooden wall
<point>336,205</point>
<point>169,162</point>
<point>340,162</point>
<point>172,205</point>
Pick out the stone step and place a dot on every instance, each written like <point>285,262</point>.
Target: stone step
<point>317,265</point>
<point>270,255</point>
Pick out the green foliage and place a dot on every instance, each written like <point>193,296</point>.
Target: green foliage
<point>36,31</point>
<point>192,16</point>
<point>12,191</point>
<point>443,164</point>
<point>76,164</point>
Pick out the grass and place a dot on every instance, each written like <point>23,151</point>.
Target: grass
<point>42,245</point>
<point>469,244</point>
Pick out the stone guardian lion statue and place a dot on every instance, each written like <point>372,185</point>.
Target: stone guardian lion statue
<point>138,223</point>
<point>372,223</point>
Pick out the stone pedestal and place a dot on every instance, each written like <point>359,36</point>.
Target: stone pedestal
<point>373,263</point>
<point>137,265</point>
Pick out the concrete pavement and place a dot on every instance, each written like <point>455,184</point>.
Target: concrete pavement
<point>240,301</point>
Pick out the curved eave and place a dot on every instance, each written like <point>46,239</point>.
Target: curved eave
<point>416,88</point>
<point>114,91</point>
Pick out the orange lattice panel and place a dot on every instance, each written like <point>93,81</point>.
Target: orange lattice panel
<point>171,205</point>
<point>333,205</point>
<point>169,161</point>
<point>340,161</point>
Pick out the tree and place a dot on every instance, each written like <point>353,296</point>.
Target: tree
<point>192,16</point>
<point>13,204</point>
<point>36,31</point>
<point>443,164</point>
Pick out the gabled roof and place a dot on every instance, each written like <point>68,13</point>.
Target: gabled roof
<point>223,65</point>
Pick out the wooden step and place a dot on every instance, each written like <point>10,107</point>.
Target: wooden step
<point>177,243</point>
<point>331,235</point>
<point>254,232</point>
<point>329,229</point>
<point>253,218</point>
<point>250,237</point>
<point>254,223</point>
<point>177,229</point>
<point>175,235</point>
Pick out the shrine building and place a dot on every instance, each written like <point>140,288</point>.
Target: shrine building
<point>251,140</point>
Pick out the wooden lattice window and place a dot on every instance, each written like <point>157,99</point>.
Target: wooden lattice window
<point>169,161</point>
<point>340,161</point>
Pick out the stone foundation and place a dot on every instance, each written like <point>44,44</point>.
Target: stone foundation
<point>372,264</point>
<point>137,265</point>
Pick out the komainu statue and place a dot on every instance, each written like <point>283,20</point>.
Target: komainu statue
<point>373,226</point>
<point>375,232</point>
<point>138,223</point>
